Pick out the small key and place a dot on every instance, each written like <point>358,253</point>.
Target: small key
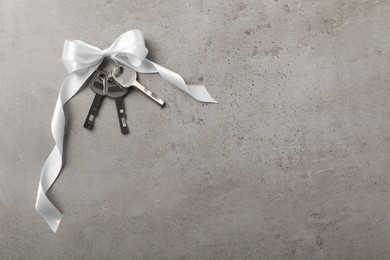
<point>127,77</point>
<point>96,84</point>
<point>117,92</point>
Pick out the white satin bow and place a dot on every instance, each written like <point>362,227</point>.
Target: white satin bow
<point>81,60</point>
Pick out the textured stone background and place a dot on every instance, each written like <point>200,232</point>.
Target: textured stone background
<point>293,163</point>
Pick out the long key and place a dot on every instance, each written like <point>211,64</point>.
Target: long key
<point>117,92</point>
<point>99,85</point>
<point>127,77</point>
<point>120,108</point>
<point>93,111</point>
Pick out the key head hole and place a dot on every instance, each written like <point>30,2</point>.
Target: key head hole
<point>119,72</point>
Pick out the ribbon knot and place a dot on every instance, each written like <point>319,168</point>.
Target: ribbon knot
<point>106,53</point>
<point>81,60</point>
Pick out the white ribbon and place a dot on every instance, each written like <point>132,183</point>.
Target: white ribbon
<point>81,60</point>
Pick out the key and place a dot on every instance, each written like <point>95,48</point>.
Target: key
<point>96,84</point>
<point>127,77</point>
<point>117,92</point>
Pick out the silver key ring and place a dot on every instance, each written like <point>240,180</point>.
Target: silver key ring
<point>106,78</point>
<point>115,68</point>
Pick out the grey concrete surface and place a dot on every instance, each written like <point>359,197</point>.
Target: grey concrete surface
<point>293,163</point>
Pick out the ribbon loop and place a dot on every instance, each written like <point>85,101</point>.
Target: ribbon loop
<point>81,60</point>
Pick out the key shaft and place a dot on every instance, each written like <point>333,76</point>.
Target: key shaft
<point>120,108</point>
<point>93,111</point>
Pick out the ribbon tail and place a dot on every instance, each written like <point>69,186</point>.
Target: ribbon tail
<point>43,205</point>
<point>52,167</point>
<point>199,92</point>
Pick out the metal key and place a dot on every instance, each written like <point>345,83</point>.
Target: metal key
<point>127,77</point>
<point>96,84</point>
<point>117,92</point>
<point>103,85</point>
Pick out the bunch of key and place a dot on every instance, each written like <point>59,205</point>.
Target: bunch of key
<point>113,79</point>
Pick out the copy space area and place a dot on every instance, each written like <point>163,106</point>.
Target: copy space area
<point>292,163</point>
